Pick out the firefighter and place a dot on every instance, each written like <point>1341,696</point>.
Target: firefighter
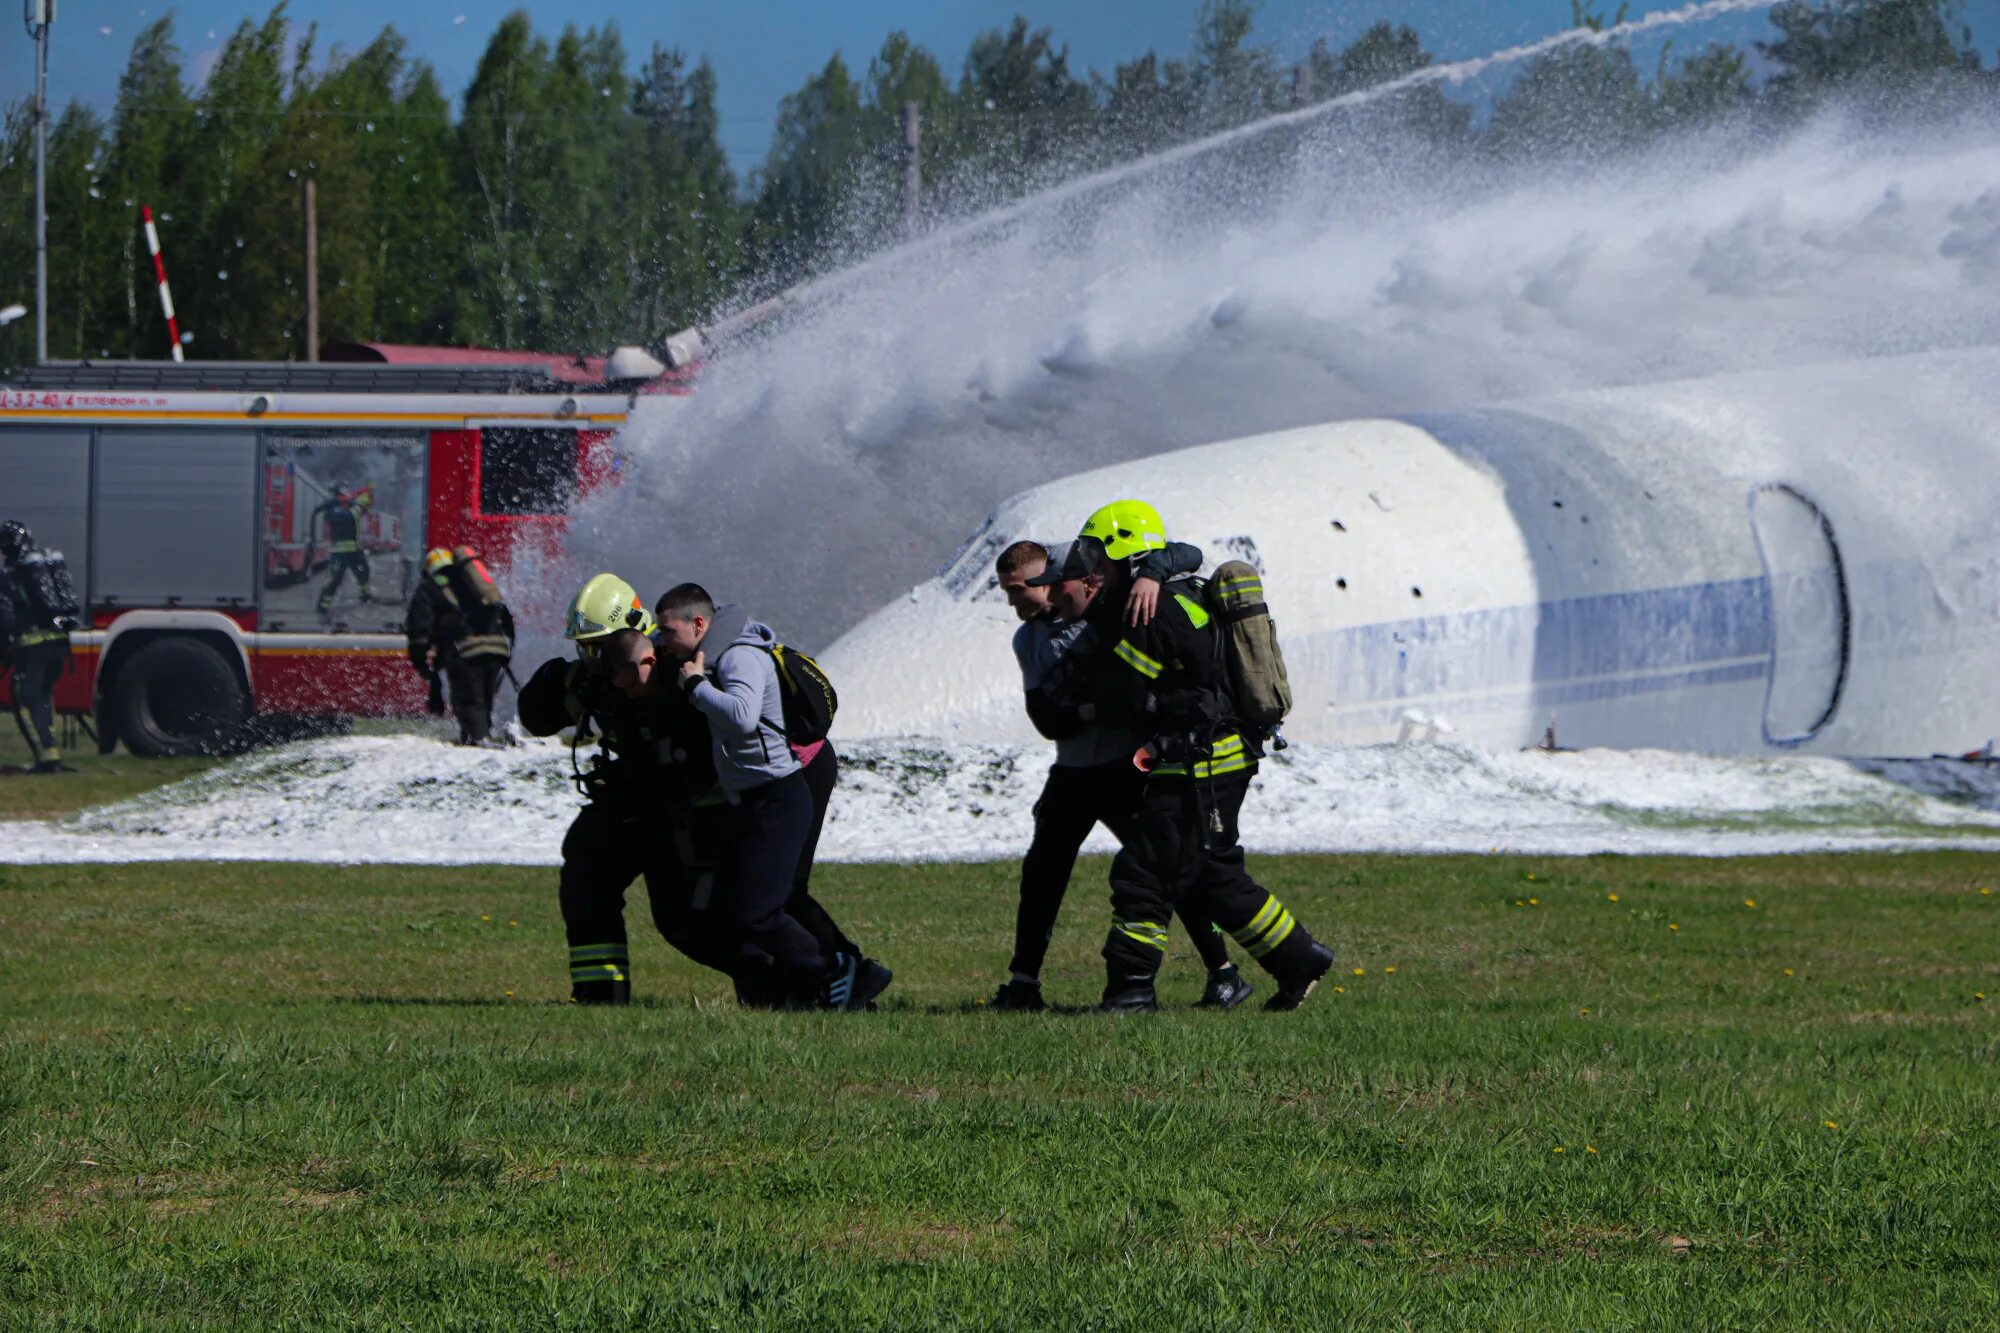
<point>37,610</point>
<point>1092,780</point>
<point>343,515</point>
<point>458,627</point>
<point>1166,680</point>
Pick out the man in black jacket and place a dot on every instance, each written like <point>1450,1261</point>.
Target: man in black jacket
<point>1092,780</point>
<point>1166,681</point>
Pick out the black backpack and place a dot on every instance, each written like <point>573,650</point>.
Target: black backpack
<point>809,698</point>
<point>45,583</point>
<point>1247,641</point>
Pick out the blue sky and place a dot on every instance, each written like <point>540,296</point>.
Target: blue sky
<point>763,49</point>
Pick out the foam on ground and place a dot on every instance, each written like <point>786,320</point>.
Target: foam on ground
<point>408,800</point>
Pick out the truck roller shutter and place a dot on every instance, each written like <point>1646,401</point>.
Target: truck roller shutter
<point>176,517</point>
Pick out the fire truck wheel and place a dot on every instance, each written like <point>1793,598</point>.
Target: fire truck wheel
<point>177,697</point>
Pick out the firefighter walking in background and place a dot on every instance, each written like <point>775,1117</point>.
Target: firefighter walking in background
<point>38,608</point>
<point>1173,682</point>
<point>460,630</point>
<point>1092,781</point>
<point>343,535</point>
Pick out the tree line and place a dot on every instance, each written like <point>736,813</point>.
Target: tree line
<point>573,199</point>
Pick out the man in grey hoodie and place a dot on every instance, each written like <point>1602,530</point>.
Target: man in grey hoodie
<point>770,816</point>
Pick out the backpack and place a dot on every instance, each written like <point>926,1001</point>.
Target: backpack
<point>45,583</point>
<point>807,693</point>
<point>1247,641</point>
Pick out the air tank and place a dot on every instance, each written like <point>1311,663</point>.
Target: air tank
<point>1796,560</point>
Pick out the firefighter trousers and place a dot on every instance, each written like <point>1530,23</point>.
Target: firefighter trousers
<point>1073,801</point>
<point>605,850</point>
<point>338,568</point>
<point>473,682</point>
<point>37,667</point>
<point>1178,853</point>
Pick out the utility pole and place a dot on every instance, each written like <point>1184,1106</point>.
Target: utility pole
<point>913,174</point>
<point>39,15</point>
<point>312,270</point>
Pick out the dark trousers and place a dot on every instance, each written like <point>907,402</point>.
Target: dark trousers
<point>1176,855</point>
<point>37,668</point>
<point>604,851</point>
<point>821,776</point>
<point>763,837</point>
<point>337,569</point>
<point>474,681</point>
<point>1073,801</point>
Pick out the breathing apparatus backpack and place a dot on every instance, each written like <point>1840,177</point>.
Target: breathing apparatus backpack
<point>475,580</point>
<point>1248,644</point>
<point>43,577</point>
<point>807,693</point>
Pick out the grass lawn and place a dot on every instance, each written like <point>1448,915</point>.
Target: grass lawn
<point>98,778</point>
<point>1592,1093</point>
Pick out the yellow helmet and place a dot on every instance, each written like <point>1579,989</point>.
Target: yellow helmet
<point>436,559</point>
<point>1126,528</point>
<point>604,606</point>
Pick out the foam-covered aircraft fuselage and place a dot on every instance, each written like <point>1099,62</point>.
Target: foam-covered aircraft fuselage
<point>1798,559</point>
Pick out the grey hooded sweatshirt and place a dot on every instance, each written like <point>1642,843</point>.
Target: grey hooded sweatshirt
<point>741,699</point>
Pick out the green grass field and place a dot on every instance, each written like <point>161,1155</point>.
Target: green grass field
<point>1562,1093</point>
<point>98,779</point>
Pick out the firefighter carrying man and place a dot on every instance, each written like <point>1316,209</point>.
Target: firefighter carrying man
<point>654,808</point>
<point>1171,681</point>
<point>343,534</point>
<point>38,608</point>
<point>460,632</point>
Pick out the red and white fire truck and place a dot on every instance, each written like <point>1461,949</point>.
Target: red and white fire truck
<point>245,536</point>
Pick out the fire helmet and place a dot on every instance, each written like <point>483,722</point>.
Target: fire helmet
<point>1125,528</point>
<point>436,560</point>
<point>604,606</point>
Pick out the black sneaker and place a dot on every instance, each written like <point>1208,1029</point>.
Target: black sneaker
<point>870,980</point>
<point>1021,997</point>
<point>1132,997</point>
<point>1225,990</point>
<point>837,991</point>
<point>1293,991</point>
<point>48,766</point>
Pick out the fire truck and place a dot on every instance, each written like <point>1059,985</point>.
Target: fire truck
<point>245,536</point>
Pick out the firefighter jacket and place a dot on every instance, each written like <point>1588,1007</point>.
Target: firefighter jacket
<point>1167,681</point>
<point>656,752</point>
<point>343,527</point>
<point>457,626</point>
<point>22,622</point>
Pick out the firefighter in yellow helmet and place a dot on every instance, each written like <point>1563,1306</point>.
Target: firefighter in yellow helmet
<point>343,514</point>
<point>458,630</point>
<point>652,803</point>
<point>1166,680</point>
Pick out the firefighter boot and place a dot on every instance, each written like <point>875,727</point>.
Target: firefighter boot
<point>600,992</point>
<point>1129,995</point>
<point>1019,997</point>
<point>1299,976</point>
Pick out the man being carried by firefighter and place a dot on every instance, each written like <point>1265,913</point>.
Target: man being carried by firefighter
<point>343,515</point>
<point>460,632</point>
<point>38,608</point>
<point>653,807</point>
<point>1093,780</point>
<point>1170,681</point>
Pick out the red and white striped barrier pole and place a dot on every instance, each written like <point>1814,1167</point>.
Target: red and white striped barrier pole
<point>160,272</point>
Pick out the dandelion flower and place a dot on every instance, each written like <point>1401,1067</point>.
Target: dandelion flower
<point>1592,1151</point>
<point>1531,879</point>
<point>1611,897</point>
<point>1360,971</point>
<point>1788,971</point>
<point>1979,995</point>
<point>1534,902</point>
<point>485,918</point>
<point>1583,1013</point>
<point>513,923</point>
<point>1389,971</point>
<point>1559,1148</point>
<point>1673,925</point>
<point>1520,902</point>
<point>1986,893</point>
<point>510,994</point>
<point>1831,1125</point>
<point>1337,990</point>
<point>1749,902</point>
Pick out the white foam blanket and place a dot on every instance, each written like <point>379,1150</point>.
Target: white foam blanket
<point>406,799</point>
